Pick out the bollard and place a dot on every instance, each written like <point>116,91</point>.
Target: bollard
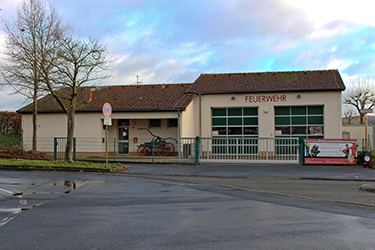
<point>197,146</point>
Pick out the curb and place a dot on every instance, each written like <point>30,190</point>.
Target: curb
<point>51,168</point>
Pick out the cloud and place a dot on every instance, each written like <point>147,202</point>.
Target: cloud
<point>174,41</point>
<point>273,17</point>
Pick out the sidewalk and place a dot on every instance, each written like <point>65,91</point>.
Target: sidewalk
<point>323,183</point>
<point>319,172</point>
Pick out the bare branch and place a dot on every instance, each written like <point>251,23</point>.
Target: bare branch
<point>360,94</point>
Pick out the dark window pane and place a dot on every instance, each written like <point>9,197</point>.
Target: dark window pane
<point>316,120</point>
<point>172,123</point>
<point>123,148</point>
<point>219,121</point>
<point>123,134</point>
<point>299,120</point>
<point>282,120</point>
<point>251,121</point>
<point>235,112</point>
<point>299,130</point>
<point>234,121</point>
<point>123,122</point>
<point>316,110</point>
<point>250,111</point>
<point>298,110</point>
<point>282,111</point>
<point>155,123</point>
<point>219,112</point>
<point>250,130</point>
<point>282,130</point>
<point>234,131</point>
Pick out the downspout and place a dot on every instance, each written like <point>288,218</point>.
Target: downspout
<point>179,134</point>
<point>200,115</point>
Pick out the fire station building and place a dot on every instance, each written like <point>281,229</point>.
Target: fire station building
<point>233,108</point>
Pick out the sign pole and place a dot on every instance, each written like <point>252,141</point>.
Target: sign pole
<point>366,111</point>
<point>107,111</point>
<point>106,146</point>
<point>366,142</point>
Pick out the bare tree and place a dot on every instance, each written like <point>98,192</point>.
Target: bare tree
<point>30,41</point>
<point>80,63</point>
<point>360,94</point>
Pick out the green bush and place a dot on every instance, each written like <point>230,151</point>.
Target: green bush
<point>10,143</point>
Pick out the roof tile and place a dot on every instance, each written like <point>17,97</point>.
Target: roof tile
<point>268,82</point>
<point>157,97</point>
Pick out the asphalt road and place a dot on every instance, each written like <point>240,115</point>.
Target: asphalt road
<point>100,211</point>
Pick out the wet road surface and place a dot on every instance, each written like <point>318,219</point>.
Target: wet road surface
<point>122,212</point>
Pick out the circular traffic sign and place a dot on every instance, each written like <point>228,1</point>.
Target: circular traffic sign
<point>107,110</point>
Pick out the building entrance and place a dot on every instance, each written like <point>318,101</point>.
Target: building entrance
<point>123,137</point>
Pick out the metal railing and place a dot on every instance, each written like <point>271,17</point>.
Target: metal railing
<point>255,150</point>
<point>246,150</point>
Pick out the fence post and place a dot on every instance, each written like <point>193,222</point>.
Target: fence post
<point>153,150</point>
<point>54,148</point>
<point>301,150</point>
<point>197,146</point>
<point>74,149</point>
<point>22,141</point>
<point>114,149</point>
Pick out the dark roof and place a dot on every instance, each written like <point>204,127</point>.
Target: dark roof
<point>157,97</point>
<point>317,80</point>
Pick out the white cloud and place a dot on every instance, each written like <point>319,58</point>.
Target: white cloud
<point>321,12</point>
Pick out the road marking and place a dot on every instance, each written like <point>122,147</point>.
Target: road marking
<point>6,191</point>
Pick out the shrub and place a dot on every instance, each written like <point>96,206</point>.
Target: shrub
<point>10,123</point>
<point>10,143</point>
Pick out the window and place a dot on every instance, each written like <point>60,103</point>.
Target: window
<point>237,122</point>
<point>155,123</point>
<point>172,123</point>
<point>305,121</point>
<point>122,122</point>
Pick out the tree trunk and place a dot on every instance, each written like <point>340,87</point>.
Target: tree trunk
<point>69,142</point>
<point>35,118</point>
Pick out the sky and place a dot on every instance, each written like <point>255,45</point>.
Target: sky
<point>169,41</point>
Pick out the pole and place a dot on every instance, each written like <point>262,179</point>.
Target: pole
<point>106,146</point>
<point>366,143</point>
<point>153,151</point>
<point>197,147</point>
<point>114,149</point>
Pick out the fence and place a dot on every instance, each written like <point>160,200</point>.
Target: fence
<point>191,150</point>
<point>246,150</point>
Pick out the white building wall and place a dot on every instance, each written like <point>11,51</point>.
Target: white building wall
<point>330,100</point>
<point>188,120</point>
<point>358,132</point>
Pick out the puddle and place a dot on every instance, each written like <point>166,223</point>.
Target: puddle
<point>18,195</point>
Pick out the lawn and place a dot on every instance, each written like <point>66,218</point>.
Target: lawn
<point>59,165</point>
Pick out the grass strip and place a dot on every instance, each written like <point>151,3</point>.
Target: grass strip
<point>59,165</point>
